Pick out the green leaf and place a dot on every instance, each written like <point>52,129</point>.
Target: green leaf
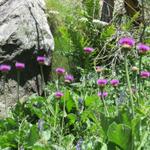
<point>72,118</point>
<point>121,135</point>
<point>33,136</point>
<point>9,139</point>
<point>104,147</point>
<point>143,140</point>
<point>136,127</point>
<point>70,104</point>
<point>7,124</point>
<point>105,122</point>
<point>68,141</point>
<point>90,100</point>
<point>39,147</point>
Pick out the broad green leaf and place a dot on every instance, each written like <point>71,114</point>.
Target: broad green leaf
<point>7,124</point>
<point>33,136</point>
<point>69,102</point>
<point>90,100</point>
<point>72,118</point>
<point>9,139</point>
<point>121,135</point>
<point>105,122</point>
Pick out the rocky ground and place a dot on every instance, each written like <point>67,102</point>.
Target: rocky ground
<point>24,31</point>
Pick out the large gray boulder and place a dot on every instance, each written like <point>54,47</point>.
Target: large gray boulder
<point>24,34</point>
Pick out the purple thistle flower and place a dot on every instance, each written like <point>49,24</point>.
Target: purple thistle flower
<point>88,49</point>
<point>127,42</point>
<point>5,68</point>
<point>104,94</point>
<point>143,49</point>
<point>60,71</point>
<point>59,94</point>
<point>114,82</point>
<point>41,59</point>
<point>102,82</point>
<point>69,78</point>
<point>41,49</point>
<point>19,65</point>
<point>144,74</point>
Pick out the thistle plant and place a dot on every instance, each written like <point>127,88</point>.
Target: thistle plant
<point>102,83</point>
<point>144,75</point>
<point>41,61</point>
<point>58,96</point>
<point>69,78</point>
<point>142,50</point>
<point>115,84</point>
<point>5,69</point>
<point>135,71</point>
<point>99,70</point>
<point>87,51</point>
<point>59,71</point>
<point>127,43</point>
<point>102,95</point>
<point>19,66</point>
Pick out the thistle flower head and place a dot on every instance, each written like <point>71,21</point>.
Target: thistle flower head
<point>41,59</point>
<point>135,69</point>
<point>19,65</point>
<point>99,69</point>
<point>60,71</point>
<point>41,49</point>
<point>69,78</point>
<point>114,82</point>
<point>102,94</point>
<point>5,68</point>
<point>127,42</point>
<point>59,94</point>
<point>143,49</point>
<point>144,74</point>
<point>102,82</point>
<point>88,49</point>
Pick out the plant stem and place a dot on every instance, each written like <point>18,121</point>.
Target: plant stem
<point>58,82</point>
<point>4,81</point>
<point>129,84</point>
<point>19,132</point>
<point>139,79</point>
<point>115,100</point>
<point>18,82</point>
<point>136,87</point>
<point>103,101</point>
<point>42,81</point>
<point>62,125</point>
<point>55,117</point>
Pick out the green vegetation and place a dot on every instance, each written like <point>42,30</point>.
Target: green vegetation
<point>90,112</point>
